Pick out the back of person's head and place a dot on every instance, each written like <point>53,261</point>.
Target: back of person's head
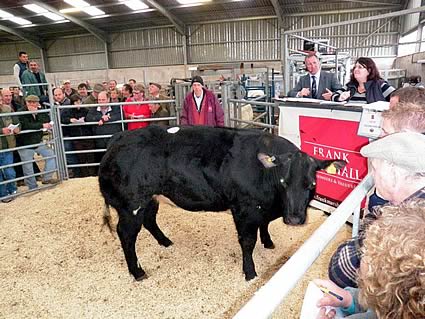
<point>415,79</point>
<point>406,116</point>
<point>392,275</point>
<point>411,94</point>
<point>371,67</point>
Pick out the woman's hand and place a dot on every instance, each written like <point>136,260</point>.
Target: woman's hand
<point>344,96</point>
<point>328,299</point>
<point>323,315</point>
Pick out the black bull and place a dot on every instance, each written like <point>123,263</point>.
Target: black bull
<point>256,175</point>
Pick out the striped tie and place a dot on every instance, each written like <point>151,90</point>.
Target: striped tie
<point>313,87</point>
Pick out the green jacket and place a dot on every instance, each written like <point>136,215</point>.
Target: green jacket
<point>32,122</point>
<point>7,141</point>
<point>29,78</point>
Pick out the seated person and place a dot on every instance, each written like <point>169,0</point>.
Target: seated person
<point>38,122</point>
<point>392,272</point>
<point>7,141</point>
<point>366,85</point>
<point>398,167</point>
<point>317,84</point>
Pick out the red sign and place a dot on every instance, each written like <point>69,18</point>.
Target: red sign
<point>325,138</point>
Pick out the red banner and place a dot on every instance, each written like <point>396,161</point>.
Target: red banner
<point>325,138</point>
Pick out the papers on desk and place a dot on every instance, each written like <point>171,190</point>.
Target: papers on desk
<point>300,100</point>
<point>309,100</point>
<point>377,106</point>
<point>312,295</point>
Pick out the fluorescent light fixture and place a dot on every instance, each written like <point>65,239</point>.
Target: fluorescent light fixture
<point>77,3</point>
<point>19,21</point>
<point>93,11</point>
<point>193,1</point>
<point>135,4</point>
<point>4,14</point>
<point>53,16</point>
<point>70,10</point>
<point>35,8</point>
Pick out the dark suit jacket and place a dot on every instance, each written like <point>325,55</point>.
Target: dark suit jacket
<point>327,81</point>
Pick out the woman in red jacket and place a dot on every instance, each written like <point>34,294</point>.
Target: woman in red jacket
<point>137,111</point>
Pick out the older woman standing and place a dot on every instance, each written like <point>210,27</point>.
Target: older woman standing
<point>366,85</point>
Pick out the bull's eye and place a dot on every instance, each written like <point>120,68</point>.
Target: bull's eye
<point>312,185</point>
<point>283,182</point>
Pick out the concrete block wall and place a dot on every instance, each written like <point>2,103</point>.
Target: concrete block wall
<point>409,63</point>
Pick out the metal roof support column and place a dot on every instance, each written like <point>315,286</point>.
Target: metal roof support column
<point>44,61</point>
<point>101,35</point>
<point>278,11</point>
<point>180,26</point>
<point>284,39</point>
<point>184,40</point>
<point>34,40</point>
<point>107,59</point>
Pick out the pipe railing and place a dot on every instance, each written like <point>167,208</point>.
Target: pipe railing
<point>270,296</point>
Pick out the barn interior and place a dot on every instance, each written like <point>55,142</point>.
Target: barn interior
<point>59,261</point>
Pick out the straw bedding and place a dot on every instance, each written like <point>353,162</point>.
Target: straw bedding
<point>56,261</point>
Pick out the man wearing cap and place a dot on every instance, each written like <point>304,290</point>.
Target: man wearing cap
<point>201,106</point>
<point>92,99</point>
<point>158,109</point>
<point>37,122</point>
<point>9,125</point>
<point>67,89</point>
<point>397,164</point>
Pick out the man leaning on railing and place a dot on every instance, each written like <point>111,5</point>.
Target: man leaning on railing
<point>9,126</point>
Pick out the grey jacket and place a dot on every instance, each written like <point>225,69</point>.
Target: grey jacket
<point>327,81</point>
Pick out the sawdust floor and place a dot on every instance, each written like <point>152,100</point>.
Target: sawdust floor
<point>57,262</point>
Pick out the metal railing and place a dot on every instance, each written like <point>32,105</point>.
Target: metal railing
<point>269,297</point>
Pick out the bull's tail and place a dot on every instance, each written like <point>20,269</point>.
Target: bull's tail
<point>107,220</point>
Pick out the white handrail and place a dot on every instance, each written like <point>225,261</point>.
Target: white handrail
<point>269,297</point>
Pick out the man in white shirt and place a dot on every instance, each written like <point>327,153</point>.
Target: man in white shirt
<point>317,84</point>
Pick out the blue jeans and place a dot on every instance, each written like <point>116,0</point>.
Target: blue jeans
<point>6,158</point>
<point>28,155</point>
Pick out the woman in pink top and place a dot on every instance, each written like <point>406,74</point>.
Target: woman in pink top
<point>137,111</point>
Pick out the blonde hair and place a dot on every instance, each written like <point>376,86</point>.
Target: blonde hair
<point>406,116</point>
<point>393,281</point>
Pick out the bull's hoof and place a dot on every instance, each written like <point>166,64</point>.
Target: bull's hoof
<point>165,242</point>
<point>140,278</point>
<point>249,277</point>
<point>269,245</point>
<point>139,274</point>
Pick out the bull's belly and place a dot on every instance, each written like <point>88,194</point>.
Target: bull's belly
<point>187,200</point>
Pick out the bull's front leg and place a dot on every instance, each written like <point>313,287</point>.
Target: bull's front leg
<point>247,228</point>
<point>265,236</point>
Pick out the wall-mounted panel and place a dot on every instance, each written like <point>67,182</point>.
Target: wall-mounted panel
<point>9,55</point>
<point>252,40</point>
<point>149,47</point>
<point>77,62</point>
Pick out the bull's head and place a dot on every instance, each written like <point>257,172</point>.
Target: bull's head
<point>295,175</point>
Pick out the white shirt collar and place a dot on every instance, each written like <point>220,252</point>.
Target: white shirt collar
<point>99,109</point>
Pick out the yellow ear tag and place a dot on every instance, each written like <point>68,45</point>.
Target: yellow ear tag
<point>331,169</point>
<point>270,159</point>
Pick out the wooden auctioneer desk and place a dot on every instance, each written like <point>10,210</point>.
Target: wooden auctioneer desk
<point>327,131</point>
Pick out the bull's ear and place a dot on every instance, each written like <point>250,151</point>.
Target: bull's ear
<point>331,166</point>
<point>266,160</point>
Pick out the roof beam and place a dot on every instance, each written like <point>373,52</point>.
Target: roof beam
<point>278,10</point>
<point>180,26</point>
<point>101,35</point>
<point>39,43</point>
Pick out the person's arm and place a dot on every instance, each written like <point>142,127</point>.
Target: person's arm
<point>219,113</point>
<point>387,89</point>
<point>115,114</point>
<point>340,95</point>
<point>294,92</point>
<point>16,70</point>
<point>93,115</point>
<point>184,114</point>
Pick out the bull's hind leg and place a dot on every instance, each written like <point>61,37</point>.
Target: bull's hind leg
<point>128,228</point>
<point>149,221</point>
<point>265,236</point>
